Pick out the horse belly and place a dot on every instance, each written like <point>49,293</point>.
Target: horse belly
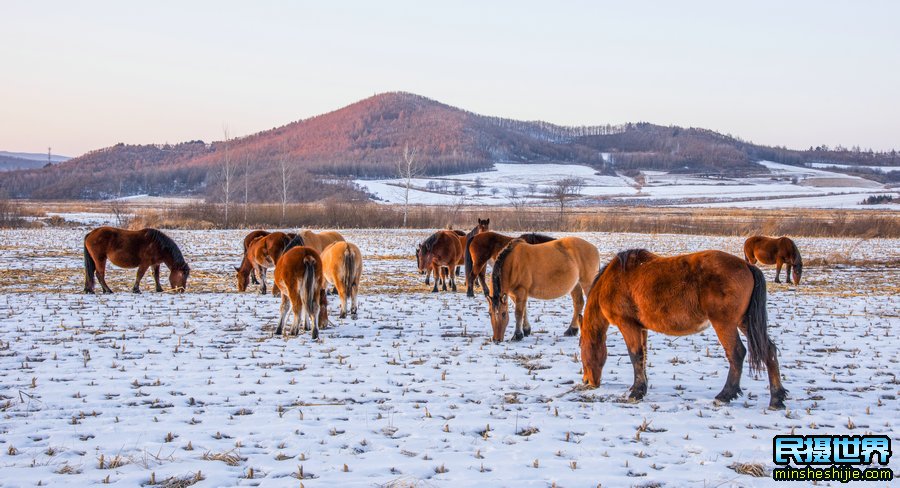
<point>551,287</point>
<point>124,259</point>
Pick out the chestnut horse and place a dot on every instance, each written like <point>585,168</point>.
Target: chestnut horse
<point>680,295</point>
<point>321,240</point>
<point>298,273</point>
<point>483,226</point>
<point>342,265</point>
<point>543,271</point>
<point>777,251</point>
<point>439,250</point>
<point>245,264</point>
<point>484,248</point>
<point>141,249</point>
<point>263,254</point>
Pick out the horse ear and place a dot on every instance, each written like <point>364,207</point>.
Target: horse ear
<point>236,268</point>
<point>504,299</point>
<point>487,221</point>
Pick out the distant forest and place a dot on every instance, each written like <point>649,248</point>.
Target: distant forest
<point>320,156</point>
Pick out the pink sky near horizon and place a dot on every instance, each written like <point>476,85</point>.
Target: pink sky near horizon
<point>79,76</point>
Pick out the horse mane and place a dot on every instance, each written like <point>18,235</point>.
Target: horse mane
<point>535,238</point>
<point>167,245</point>
<point>458,232</point>
<point>497,272</point>
<point>428,243</point>
<point>294,242</point>
<point>633,257</point>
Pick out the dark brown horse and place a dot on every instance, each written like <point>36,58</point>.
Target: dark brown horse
<point>775,250</point>
<point>141,249</point>
<point>440,250</point>
<point>263,253</point>
<point>484,248</point>
<point>245,264</point>
<point>680,295</point>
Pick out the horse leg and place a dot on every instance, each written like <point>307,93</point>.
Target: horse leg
<point>353,291</point>
<point>342,294</point>
<point>427,277</point>
<point>484,287</point>
<point>787,269</point>
<point>312,309</point>
<point>159,287</point>
<point>521,304</point>
<point>445,272</point>
<point>636,341</point>
<point>262,279</point>
<point>735,352</point>
<point>285,304</point>
<point>453,279</point>
<point>778,264</point>
<point>436,270</point>
<point>253,276</point>
<point>777,393</point>
<point>526,325</point>
<point>137,280</point>
<point>578,305</point>
<point>101,275</point>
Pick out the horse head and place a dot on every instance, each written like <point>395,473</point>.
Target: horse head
<point>499,311</point>
<point>178,277</point>
<point>243,279</point>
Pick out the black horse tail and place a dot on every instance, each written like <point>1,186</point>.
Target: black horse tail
<point>349,270</point>
<point>309,281</point>
<point>90,267</point>
<point>760,347</point>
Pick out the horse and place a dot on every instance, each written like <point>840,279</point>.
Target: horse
<point>245,264</point>
<point>680,295</point>
<point>483,226</point>
<point>141,249</point>
<point>543,271</point>
<point>441,249</point>
<point>263,254</point>
<point>321,240</point>
<point>342,265</point>
<point>777,251</point>
<point>298,273</point>
<point>484,248</point>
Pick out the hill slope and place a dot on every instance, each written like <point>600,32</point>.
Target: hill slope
<point>364,140</point>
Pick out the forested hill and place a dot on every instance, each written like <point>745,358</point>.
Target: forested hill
<point>366,139</point>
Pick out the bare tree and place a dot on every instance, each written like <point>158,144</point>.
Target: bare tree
<point>517,201</point>
<point>407,169</point>
<point>532,189</point>
<point>563,190</point>
<point>287,173</point>
<point>478,185</point>
<point>246,187</point>
<point>227,175</point>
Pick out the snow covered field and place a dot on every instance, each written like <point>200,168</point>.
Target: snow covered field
<point>140,389</point>
<point>786,187</point>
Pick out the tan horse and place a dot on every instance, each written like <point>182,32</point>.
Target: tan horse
<point>442,249</point>
<point>299,275</point>
<point>680,295</point>
<point>321,240</point>
<point>342,265</point>
<point>543,271</point>
<point>263,253</point>
<point>775,250</point>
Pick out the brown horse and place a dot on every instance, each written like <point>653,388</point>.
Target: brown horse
<point>777,251</point>
<point>245,264</point>
<point>543,271</point>
<point>263,254</point>
<point>483,226</point>
<point>342,265</point>
<point>298,273</point>
<point>680,295</point>
<point>441,249</point>
<point>141,249</point>
<point>484,248</point>
<point>321,240</point>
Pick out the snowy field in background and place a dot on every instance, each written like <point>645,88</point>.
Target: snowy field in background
<point>787,187</point>
<point>413,393</point>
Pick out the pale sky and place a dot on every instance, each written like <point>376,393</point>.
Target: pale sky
<point>81,75</point>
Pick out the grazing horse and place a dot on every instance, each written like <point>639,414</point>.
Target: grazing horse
<point>141,249</point>
<point>263,254</point>
<point>441,249</point>
<point>298,273</point>
<point>484,248</point>
<point>342,265</point>
<point>777,251</point>
<point>680,295</point>
<point>321,240</point>
<point>483,226</point>
<point>543,271</point>
<point>245,264</point>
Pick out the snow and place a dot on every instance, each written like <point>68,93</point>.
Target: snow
<point>407,392</point>
<point>786,187</point>
<point>886,169</point>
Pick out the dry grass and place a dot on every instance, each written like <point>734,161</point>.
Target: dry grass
<point>229,457</point>
<point>756,470</point>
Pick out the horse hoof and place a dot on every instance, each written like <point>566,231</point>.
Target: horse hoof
<point>315,335</point>
<point>470,293</point>
<point>353,316</point>
<point>518,336</point>
<point>570,332</point>
<point>88,292</point>
<point>159,290</point>
<point>434,290</point>
<point>527,331</point>
<point>776,405</point>
<point>343,315</point>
